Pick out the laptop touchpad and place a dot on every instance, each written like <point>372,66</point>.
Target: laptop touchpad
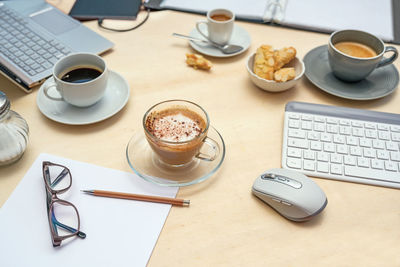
<point>54,21</point>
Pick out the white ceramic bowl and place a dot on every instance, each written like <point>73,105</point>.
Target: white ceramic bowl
<point>273,86</point>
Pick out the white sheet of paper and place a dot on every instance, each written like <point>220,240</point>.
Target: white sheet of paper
<point>119,232</point>
<point>371,16</point>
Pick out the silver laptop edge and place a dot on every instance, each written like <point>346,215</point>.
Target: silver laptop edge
<point>70,32</point>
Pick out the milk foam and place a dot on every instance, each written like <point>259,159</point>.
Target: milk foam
<point>176,128</point>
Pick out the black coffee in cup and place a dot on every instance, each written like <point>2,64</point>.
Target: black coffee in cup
<point>81,74</point>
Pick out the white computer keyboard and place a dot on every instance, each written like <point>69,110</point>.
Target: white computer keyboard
<point>342,143</point>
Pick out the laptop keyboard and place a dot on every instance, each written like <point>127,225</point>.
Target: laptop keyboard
<point>342,143</point>
<point>29,51</point>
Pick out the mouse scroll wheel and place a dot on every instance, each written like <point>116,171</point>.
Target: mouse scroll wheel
<point>268,176</point>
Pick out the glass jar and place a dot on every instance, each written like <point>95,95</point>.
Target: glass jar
<point>13,133</point>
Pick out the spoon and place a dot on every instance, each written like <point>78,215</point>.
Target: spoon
<point>226,49</point>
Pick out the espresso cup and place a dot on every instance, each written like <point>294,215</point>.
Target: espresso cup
<point>79,79</point>
<point>369,51</point>
<point>219,26</point>
<point>176,131</point>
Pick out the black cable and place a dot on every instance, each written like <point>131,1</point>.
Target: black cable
<point>100,23</point>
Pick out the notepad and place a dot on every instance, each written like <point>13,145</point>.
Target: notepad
<point>375,17</point>
<point>119,232</point>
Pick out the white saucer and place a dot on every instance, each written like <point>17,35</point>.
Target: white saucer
<point>239,37</point>
<point>114,99</point>
<point>145,163</point>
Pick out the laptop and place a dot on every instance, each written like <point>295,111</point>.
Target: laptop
<point>34,35</point>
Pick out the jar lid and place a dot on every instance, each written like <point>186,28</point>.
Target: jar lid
<point>4,103</point>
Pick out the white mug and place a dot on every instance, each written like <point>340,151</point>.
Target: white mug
<point>80,93</point>
<point>219,25</point>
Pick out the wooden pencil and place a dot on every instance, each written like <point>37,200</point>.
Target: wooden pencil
<point>165,200</point>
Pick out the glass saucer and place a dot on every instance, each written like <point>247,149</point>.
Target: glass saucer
<point>145,163</point>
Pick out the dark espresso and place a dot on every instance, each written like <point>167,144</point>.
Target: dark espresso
<point>220,17</point>
<point>81,74</point>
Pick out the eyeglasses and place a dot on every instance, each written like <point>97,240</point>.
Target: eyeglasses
<point>63,216</point>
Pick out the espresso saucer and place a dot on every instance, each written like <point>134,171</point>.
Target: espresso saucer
<point>239,37</point>
<point>381,82</point>
<point>114,99</point>
<point>145,163</point>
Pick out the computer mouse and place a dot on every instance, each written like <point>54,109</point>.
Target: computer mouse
<point>290,193</point>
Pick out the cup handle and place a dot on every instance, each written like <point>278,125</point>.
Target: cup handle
<point>214,146</point>
<point>386,61</point>
<point>198,28</point>
<point>47,87</point>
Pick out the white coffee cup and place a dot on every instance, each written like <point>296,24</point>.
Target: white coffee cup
<point>79,92</point>
<point>219,25</point>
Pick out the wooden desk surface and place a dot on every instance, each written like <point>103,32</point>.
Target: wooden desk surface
<point>225,224</point>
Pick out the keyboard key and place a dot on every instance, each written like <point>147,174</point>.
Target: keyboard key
<point>395,156</point>
<point>351,140</point>
<point>331,120</point>
<point>383,127</point>
<point>396,137</point>
<point>294,124</point>
<point>369,153</point>
<point>294,152</point>
<point>390,166</point>
<point>307,117</point>
<point>370,125</point>
<point>382,154</point>
<point>338,139</point>
<point>299,143</point>
<point>365,142</point>
<point>395,128</point>
<point>342,149</point>
<point>370,134</point>
<point>319,127</point>
<point>336,169</point>
<point>357,124</point>
<point>308,165</point>
<point>345,130</point>
<point>325,137</point>
<point>297,133</point>
<point>372,174</point>
<point>355,151</point>
<point>349,160</point>
<point>329,147</point>
<point>379,144</point>
<point>290,115</point>
<point>306,125</point>
<point>313,136</point>
<point>322,167</point>
<point>358,132</point>
<point>314,145</point>
<point>336,158</point>
<point>307,154</point>
<point>332,129</point>
<point>322,156</point>
<point>377,164</point>
<point>363,162</point>
<point>293,163</point>
<point>344,122</point>
<point>392,146</point>
<point>383,135</point>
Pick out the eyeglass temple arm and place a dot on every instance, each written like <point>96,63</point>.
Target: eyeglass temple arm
<point>59,177</point>
<point>66,227</point>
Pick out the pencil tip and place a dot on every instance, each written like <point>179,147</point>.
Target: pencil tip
<point>87,191</point>
<point>186,202</point>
